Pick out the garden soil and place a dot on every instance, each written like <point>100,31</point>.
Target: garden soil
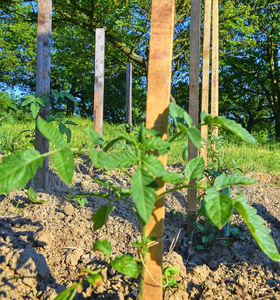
<point>43,246</point>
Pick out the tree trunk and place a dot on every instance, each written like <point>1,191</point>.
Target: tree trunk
<point>43,81</point>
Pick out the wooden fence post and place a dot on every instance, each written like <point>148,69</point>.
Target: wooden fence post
<point>215,64</point>
<point>205,74</point>
<point>159,85</point>
<point>99,80</point>
<point>129,96</point>
<point>43,83</point>
<point>194,95</point>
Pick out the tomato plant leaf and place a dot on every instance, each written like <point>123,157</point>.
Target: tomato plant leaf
<point>103,246</point>
<point>194,168</point>
<point>143,193</point>
<point>257,228</point>
<point>126,265</point>
<point>195,136</point>
<point>94,137</point>
<point>96,156</point>
<point>219,207</point>
<point>51,133</point>
<point>100,217</point>
<point>69,293</point>
<point>95,280</point>
<point>64,164</point>
<point>173,178</point>
<point>179,115</point>
<point>153,165</point>
<point>156,144</point>
<point>231,126</point>
<point>225,180</point>
<point>122,159</point>
<point>16,170</point>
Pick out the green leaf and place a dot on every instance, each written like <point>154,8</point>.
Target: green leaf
<point>122,159</point>
<point>94,137</point>
<point>156,144</point>
<point>257,228</point>
<point>143,193</point>
<point>96,156</point>
<point>225,180</point>
<point>173,178</point>
<point>55,94</point>
<point>51,133</point>
<point>230,125</point>
<point>40,101</point>
<point>100,217</point>
<point>29,99</point>
<point>71,97</point>
<point>70,122</point>
<point>179,115</point>
<point>152,133</point>
<point>64,164</point>
<point>62,128</point>
<point>103,246</point>
<point>195,136</point>
<point>35,108</point>
<point>95,280</point>
<point>69,293</point>
<point>194,168</point>
<point>16,170</point>
<point>32,196</point>
<point>126,265</point>
<point>153,165</point>
<point>219,207</point>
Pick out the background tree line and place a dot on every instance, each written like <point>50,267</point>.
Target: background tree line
<point>249,56</point>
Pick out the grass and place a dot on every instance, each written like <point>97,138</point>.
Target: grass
<point>248,157</point>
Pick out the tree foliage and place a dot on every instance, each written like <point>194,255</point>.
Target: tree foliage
<point>249,54</point>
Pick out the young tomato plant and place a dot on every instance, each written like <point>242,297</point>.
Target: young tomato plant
<point>141,150</point>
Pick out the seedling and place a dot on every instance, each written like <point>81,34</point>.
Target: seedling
<point>32,196</point>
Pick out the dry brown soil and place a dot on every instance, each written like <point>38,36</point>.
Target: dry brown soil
<point>42,247</point>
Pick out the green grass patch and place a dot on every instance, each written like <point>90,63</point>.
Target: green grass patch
<point>263,157</point>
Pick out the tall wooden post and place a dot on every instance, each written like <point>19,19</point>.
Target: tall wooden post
<point>215,63</point>
<point>205,73</point>
<point>99,80</point>
<point>159,85</point>
<point>43,82</point>
<point>129,96</point>
<point>194,93</point>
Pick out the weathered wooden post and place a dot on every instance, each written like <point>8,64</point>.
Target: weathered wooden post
<point>43,82</point>
<point>194,95</point>
<point>215,64</point>
<point>159,85</point>
<point>205,74</point>
<point>99,80</point>
<point>129,96</point>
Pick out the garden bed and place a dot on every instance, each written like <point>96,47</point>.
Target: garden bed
<point>42,247</point>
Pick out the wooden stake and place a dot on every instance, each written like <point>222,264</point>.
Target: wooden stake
<point>43,82</point>
<point>129,96</point>
<point>99,80</point>
<point>159,85</point>
<point>205,73</point>
<point>215,64</point>
<point>194,94</point>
